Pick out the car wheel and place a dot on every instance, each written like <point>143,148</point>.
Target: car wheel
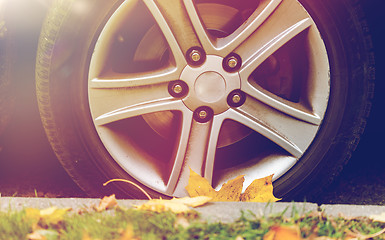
<point>146,90</point>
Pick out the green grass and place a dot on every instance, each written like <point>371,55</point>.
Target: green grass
<point>148,225</point>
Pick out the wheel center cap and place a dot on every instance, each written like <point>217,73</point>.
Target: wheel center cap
<point>210,87</point>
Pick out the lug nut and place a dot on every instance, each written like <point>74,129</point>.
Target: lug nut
<point>236,98</point>
<point>232,62</point>
<point>195,56</point>
<point>178,89</point>
<point>203,114</point>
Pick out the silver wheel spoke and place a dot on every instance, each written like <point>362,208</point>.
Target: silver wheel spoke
<point>152,106</point>
<point>196,152</point>
<point>161,16</point>
<point>236,39</point>
<point>175,24</point>
<point>199,28</point>
<point>274,125</point>
<point>281,21</point>
<point>293,109</point>
<point>272,46</point>
<point>135,79</point>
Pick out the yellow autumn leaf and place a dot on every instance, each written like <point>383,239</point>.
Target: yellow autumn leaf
<point>378,218</point>
<point>43,234</point>
<point>283,233</point>
<point>176,205</point>
<point>193,201</point>
<point>260,190</point>
<point>230,191</point>
<point>51,215</point>
<point>128,234</point>
<point>161,205</point>
<point>199,186</point>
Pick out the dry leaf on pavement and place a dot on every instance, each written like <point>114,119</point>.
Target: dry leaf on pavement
<point>260,190</point>
<point>176,205</point>
<point>107,203</point>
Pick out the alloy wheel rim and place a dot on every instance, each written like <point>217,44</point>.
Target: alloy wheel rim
<point>201,90</point>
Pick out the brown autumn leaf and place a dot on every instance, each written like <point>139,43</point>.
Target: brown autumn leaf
<point>107,203</point>
<point>260,190</point>
<point>283,233</point>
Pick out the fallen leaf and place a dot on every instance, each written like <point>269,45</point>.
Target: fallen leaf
<point>181,221</point>
<point>128,234</point>
<point>51,215</point>
<point>283,233</point>
<point>230,191</point>
<point>360,236</point>
<point>86,236</point>
<point>193,201</point>
<point>378,218</point>
<point>199,186</point>
<point>107,203</point>
<point>176,205</point>
<point>43,234</point>
<point>260,190</point>
<point>160,205</point>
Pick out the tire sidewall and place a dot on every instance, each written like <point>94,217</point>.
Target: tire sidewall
<point>337,136</point>
<point>80,147</point>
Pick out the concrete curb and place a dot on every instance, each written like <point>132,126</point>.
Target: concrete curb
<point>218,211</point>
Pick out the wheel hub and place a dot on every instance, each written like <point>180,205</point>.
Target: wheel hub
<point>209,85</point>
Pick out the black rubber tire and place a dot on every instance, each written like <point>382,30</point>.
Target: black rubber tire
<point>63,101</point>
<point>6,96</point>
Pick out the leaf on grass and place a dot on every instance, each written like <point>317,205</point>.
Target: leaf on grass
<point>260,190</point>
<point>107,203</point>
<point>43,234</point>
<point>378,218</point>
<point>359,236</point>
<point>128,234</point>
<point>52,215</point>
<point>86,236</point>
<point>283,233</point>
